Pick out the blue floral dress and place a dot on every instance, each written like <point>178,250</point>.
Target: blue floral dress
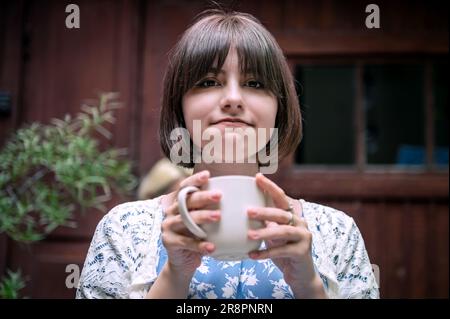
<point>246,279</point>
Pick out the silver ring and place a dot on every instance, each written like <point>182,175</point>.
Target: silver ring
<point>291,210</point>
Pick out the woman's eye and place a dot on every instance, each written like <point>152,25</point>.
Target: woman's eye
<point>207,83</point>
<point>255,84</point>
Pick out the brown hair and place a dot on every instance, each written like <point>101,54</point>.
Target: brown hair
<point>206,43</point>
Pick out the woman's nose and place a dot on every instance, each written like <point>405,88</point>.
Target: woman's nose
<point>232,99</point>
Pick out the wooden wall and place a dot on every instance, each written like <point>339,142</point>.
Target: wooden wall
<point>122,46</point>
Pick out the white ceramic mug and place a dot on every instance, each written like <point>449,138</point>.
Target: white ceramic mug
<point>230,233</point>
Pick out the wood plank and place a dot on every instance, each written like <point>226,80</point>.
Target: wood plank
<point>370,225</point>
<point>154,63</point>
<point>416,247</point>
<point>44,265</point>
<point>336,43</point>
<point>268,12</point>
<point>438,251</point>
<point>11,29</point>
<point>3,253</point>
<point>86,222</point>
<point>443,251</point>
<point>332,27</point>
<point>81,63</point>
<point>128,30</point>
<point>77,64</point>
<point>314,185</point>
<point>394,266</point>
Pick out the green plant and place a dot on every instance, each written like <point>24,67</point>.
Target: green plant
<point>11,284</point>
<point>48,171</point>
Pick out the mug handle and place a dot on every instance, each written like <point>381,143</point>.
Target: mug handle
<point>185,216</point>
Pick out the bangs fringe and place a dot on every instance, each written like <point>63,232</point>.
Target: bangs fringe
<point>209,43</point>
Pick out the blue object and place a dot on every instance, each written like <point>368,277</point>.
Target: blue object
<point>415,155</point>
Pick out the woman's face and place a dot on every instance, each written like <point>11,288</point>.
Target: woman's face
<point>227,101</point>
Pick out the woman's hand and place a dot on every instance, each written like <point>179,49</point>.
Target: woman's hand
<point>184,250</point>
<point>288,240</point>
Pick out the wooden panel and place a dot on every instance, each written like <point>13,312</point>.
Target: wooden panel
<point>10,62</point>
<point>62,68</point>
<point>335,27</point>
<point>367,216</point>
<point>11,14</point>
<point>348,184</point>
<point>416,247</point>
<point>68,66</point>
<point>408,240</point>
<point>336,43</point>
<point>270,13</point>
<point>86,222</point>
<point>44,265</point>
<point>3,253</point>
<point>157,45</point>
<point>369,222</point>
<point>392,268</point>
<point>127,49</point>
<point>437,251</point>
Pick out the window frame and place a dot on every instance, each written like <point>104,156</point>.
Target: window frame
<point>360,161</point>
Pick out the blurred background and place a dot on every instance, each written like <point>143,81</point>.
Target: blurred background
<point>374,102</point>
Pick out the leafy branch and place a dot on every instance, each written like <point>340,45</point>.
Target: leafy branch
<point>48,171</point>
<point>11,284</point>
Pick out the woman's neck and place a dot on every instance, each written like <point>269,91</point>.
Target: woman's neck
<point>249,169</point>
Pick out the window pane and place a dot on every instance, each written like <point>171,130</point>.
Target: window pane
<point>440,83</point>
<point>394,106</point>
<point>326,101</point>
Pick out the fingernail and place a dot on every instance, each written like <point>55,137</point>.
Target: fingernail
<point>252,234</point>
<point>252,212</point>
<point>215,214</point>
<point>210,247</point>
<point>216,196</point>
<point>204,175</point>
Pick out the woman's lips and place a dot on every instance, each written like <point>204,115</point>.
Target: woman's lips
<point>231,124</point>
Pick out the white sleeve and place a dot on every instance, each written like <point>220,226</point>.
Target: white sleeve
<point>354,271</point>
<point>124,253</point>
<point>106,269</point>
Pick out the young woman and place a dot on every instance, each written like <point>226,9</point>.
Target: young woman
<point>227,71</point>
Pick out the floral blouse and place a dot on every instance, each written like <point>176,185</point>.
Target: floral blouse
<point>126,255</point>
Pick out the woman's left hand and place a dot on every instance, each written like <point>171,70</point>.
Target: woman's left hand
<point>287,238</point>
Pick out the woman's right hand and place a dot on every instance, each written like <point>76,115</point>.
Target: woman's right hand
<point>184,250</point>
